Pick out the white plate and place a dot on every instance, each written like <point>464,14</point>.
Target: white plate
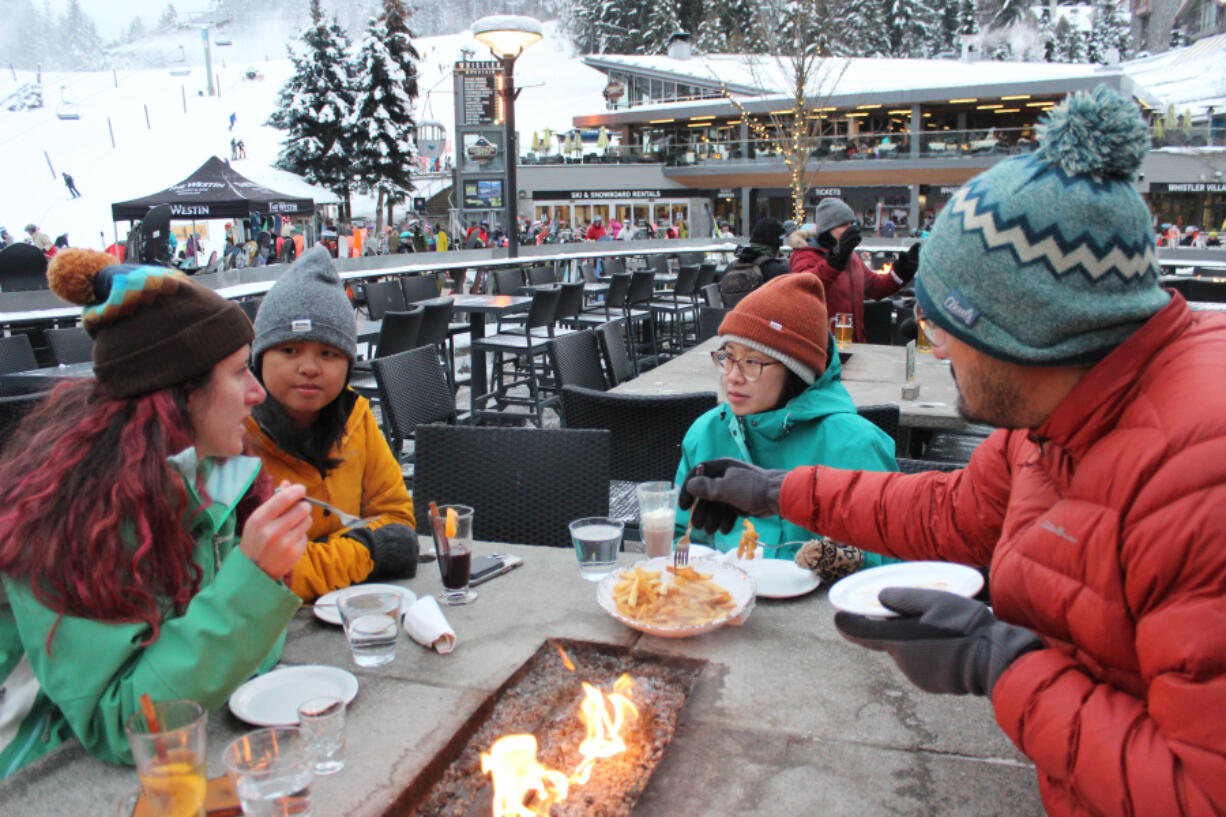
<point>326,608</point>
<point>273,699</point>
<point>730,577</point>
<point>779,578</point>
<point>857,593</point>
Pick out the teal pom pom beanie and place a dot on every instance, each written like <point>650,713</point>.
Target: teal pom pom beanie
<point>1048,259</point>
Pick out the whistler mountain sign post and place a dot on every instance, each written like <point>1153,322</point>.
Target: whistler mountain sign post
<point>481,166</point>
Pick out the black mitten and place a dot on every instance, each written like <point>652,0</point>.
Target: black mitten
<point>393,549</point>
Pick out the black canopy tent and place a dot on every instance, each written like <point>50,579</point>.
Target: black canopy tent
<point>215,190</point>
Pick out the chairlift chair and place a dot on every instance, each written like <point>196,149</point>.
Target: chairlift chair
<point>66,109</point>
<point>222,40</point>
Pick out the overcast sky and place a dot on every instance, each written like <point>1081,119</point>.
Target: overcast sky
<point>113,17</point>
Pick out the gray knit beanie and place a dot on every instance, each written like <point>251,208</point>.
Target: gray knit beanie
<point>1048,258</point>
<point>831,213</point>
<point>308,302</point>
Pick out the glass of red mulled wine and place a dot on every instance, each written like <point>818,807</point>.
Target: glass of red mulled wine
<point>455,553</point>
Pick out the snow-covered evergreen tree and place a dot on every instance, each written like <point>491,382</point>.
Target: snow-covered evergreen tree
<point>169,18</point>
<point>1179,37</point>
<point>855,29</point>
<point>1009,12</point>
<point>381,127</point>
<point>1109,34</point>
<point>663,21</point>
<point>744,37</point>
<point>135,30</point>
<point>969,17</point>
<point>712,35</point>
<point>314,107</point>
<point>79,46</point>
<point>1070,43</point>
<point>906,24</point>
<point>949,23</point>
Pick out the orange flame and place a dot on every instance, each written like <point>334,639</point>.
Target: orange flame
<point>566,662</point>
<point>517,774</point>
<point>886,269</point>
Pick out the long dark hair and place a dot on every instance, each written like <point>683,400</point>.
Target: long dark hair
<point>314,443</point>
<point>93,514</point>
<point>793,387</point>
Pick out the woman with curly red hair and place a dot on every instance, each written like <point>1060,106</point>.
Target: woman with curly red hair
<point>138,552</point>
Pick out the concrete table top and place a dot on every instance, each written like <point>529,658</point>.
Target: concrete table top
<point>874,374</point>
<point>787,718</point>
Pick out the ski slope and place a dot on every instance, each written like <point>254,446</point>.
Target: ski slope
<point>148,157</point>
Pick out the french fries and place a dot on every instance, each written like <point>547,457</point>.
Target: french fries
<point>749,542</point>
<point>688,598</point>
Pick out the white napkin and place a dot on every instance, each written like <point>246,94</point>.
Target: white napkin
<point>425,623</point>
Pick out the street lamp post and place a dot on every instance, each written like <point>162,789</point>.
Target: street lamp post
<point>507,35</point>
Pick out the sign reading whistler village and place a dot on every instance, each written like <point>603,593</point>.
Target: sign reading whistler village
<point>477,96</point>
<point>1187,187</point>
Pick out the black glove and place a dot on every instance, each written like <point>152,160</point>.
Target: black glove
<point>943,642</point>
<point>907,263</point>
<point>841,254</point>
<point>728,488</point>
<point>393,549</point>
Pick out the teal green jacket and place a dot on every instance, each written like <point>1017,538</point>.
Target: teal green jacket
<point>92,677</point>
<point>817,427</point>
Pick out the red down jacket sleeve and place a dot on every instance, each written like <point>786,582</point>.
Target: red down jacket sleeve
<point>954,517</point>
<point>812,260</point>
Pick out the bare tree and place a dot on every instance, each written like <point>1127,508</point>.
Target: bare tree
<point>803,43</point>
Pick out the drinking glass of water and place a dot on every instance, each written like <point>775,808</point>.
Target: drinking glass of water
<point>597,539</point>
<point>322,721</point>
<point>271,771</point>
<point>372,624</point>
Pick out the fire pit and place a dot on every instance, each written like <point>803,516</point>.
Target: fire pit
<point>585,725</point>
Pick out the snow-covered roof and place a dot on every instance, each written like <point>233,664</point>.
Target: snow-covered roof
<point>1190,78</point>
<point>291,184</point>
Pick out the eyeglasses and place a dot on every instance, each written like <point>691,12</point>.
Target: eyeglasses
<point>751,368</point>
<point>935,334</point>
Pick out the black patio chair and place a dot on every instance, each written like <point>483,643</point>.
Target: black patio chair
<point>638,298</point>
<point>612,337</point>
<point>419,287</point>
<point>647,431</point>
<point>576,361</point>
<point>413,391</point>
<point>16,354</point>
<point>710,295</point>
<point>526,484</point>
<point>613,266</point>
<point>541,275</point>
<point>706,275</point>
<point>70,345</point>
<point>521,349</point>
<point>438,331</point>
<point>885,416</point>
<point>507,281</point>
<point>383,297</point>
<point>676,306</point>
<point>251,307</point>
<point>709,319</point>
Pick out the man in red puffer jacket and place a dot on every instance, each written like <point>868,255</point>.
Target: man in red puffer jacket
<point>1100,503</point>
<point>827,249</point>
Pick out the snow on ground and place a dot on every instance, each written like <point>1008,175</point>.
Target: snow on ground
<point>146,159</point>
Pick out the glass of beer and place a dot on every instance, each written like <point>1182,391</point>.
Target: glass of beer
<point>657,516</point>
<point>843,326</point>
<point>171,761</point>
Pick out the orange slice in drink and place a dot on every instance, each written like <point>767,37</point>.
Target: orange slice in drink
<point>451,523</point>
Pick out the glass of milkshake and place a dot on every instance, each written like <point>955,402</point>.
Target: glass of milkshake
<point>657,516</point>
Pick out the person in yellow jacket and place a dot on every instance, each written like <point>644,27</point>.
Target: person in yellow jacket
<point>315,431</point>
<point>443,242</point>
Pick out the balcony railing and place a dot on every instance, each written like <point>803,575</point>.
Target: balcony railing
<point>942,144</point>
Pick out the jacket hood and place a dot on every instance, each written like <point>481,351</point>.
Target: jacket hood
<point>748,252</point>
<point>814,403</point>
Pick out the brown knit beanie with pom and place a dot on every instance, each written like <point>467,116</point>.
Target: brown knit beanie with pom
<point>786,319</point>
<point>152,327</point>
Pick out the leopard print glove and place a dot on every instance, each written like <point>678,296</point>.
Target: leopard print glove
<point>829,559</point>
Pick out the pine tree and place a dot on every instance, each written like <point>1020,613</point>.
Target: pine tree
<point>1109,33</point>
<point>169,18</point>
<point>80,45</point>
<point>945,33</point>
<point>743,36</point>
<point>381,127</point>
<point>1179,37</point>
<point>907,23</point>
<point>1070,45</point>
<point>969,17</point>
<point>1010,12</point>
<point>314,106</point>
<point>135,30</point>
<point>859,32</point>
<point>712,35</point>
<point>663,21</point>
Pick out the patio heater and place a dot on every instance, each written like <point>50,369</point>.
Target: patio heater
<point>507,35</point>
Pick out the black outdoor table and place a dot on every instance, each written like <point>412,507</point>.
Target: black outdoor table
<point>35,380</point>
<point>477,307</point>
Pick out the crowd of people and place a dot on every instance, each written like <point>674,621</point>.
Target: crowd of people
<point>165,495</point>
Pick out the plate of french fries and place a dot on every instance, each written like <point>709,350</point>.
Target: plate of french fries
<point>653,597</point>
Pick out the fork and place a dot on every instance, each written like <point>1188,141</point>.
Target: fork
<point>681,554</point>
<point>347,519</point>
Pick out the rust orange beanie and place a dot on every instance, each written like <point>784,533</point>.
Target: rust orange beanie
<point>786,319</point>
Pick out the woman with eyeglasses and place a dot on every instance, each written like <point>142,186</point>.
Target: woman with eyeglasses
<point>785,406</point>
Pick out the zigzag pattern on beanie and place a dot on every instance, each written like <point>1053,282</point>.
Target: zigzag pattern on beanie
<point>1049,245</point>
<point>131,287</point>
